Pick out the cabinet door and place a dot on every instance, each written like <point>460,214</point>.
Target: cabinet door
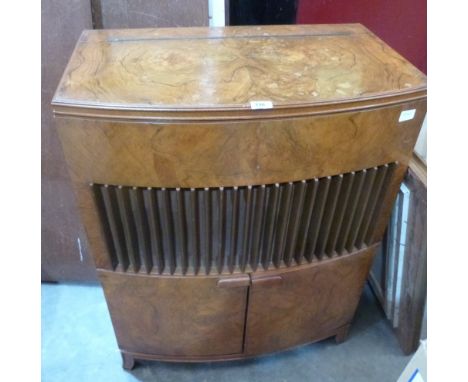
<point>305,304</point>
<point>177,316</point>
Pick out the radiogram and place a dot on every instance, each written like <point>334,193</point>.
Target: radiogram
<point>234,182</point>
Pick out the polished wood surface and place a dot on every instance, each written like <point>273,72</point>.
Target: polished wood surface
<point>226,68</point>
<point>403,28</point>
<point>202,318</point>
<point>129,358</point>
<point>235,153</point>
<point>240,229</point>
<point>149,118</point>
<point>299,304</point>
<point>176,316</point>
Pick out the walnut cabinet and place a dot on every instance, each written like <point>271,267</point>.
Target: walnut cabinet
<point>235,182</point>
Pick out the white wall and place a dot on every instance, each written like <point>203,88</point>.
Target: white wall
<point>421,143</point>
<point>216,13</point>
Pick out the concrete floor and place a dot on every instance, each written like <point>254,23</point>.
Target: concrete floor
<point>78,344</point>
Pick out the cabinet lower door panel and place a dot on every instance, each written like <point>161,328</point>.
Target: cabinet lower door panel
<point>175,316</point>
<point>305,304</point>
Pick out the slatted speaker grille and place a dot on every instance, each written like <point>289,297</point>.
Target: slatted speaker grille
<point>226,230</point>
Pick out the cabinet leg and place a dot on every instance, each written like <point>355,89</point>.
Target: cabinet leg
<point>342,334</point>
<point>128,362</point>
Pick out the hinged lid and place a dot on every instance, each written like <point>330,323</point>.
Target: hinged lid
<point>233,72</point>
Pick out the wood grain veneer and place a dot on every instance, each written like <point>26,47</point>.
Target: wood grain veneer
<point>317,298</point>
<point>240,229</point>
<point>199,68</point>
<point>176,316</point>
<point>169,164</point>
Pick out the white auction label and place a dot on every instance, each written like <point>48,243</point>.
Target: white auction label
<point>407,115</point>
<point>261,105</point>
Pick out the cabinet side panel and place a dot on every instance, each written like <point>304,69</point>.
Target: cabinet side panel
<point>86,203</point>
<point>89,213</point>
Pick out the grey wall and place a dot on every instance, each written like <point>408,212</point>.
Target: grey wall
<point>153,13</point>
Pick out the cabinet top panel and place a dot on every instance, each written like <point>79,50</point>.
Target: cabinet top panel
<point>226,69</point>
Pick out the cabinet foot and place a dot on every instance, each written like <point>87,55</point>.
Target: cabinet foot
<point>128,362</point>
<point>342,334</point>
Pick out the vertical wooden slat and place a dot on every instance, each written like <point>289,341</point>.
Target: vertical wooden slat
<point>350,211</point>
<point>379,205</point>
<point>274,204</point>
<point>128,230</point>
<point>101,209</point>
<point>311,195</point>
<point>115,229</point>
<point>376,189</point>
<point>253,228</point>
<point>141,226</point>
<point>181,232</point>
<point>168,230</point>
<point>234,229</point>
<point>329,214</point>
<point>283,223</point>
<point>221,228</point>
<point>259,196</point>
<point>317,217</point>
<point>154,227</point>
<point>296,214</point>
<point>346,187</point>
<point>360,210</point>
<point>246,230</point>
<point>195,230</point>
<point>208,230</point>
<point>280,223</point>
<point>264,225</point>
<point>277,227</point>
